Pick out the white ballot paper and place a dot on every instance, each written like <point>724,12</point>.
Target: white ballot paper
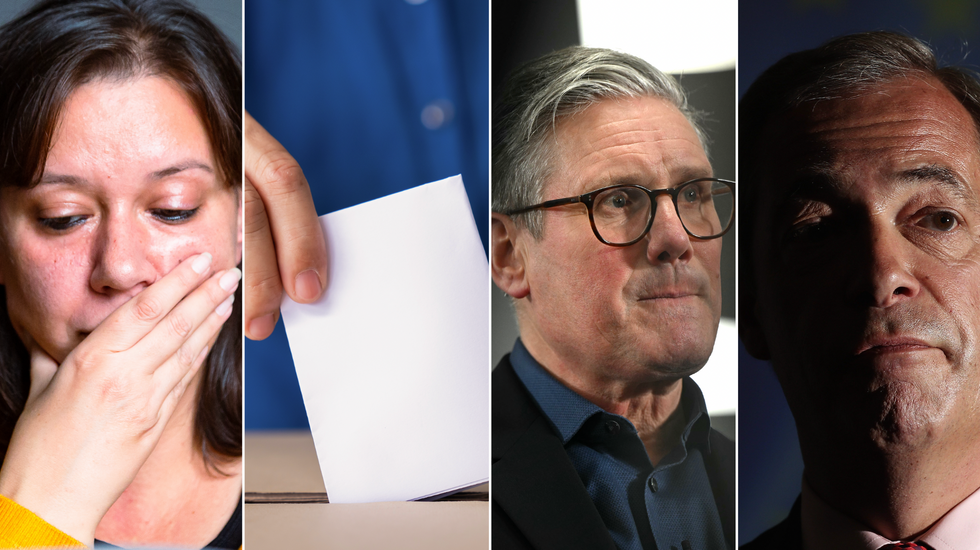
<point>393,359</point>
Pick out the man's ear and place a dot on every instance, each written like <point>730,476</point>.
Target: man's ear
<point>507,256</point>
<point>749,328</point>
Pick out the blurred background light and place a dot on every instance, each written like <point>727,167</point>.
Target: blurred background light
<point>676,37</point>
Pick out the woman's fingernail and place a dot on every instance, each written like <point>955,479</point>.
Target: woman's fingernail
<point>225,307</point>
<point>262,327</point>
<point>308,285</point>
<point>201,263</point>
<point>229,281</point>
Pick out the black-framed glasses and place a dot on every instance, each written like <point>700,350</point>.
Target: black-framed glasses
<point>621,215</point>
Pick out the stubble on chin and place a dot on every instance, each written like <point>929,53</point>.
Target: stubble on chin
<point>679,351</point>
<point>909,414</point>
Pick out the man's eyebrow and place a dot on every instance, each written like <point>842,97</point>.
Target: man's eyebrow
<point>177,168</point>
<point>818,178</point>
<point>932,172</point>
<point>823,178</point>
<point>682,176</point>
<point>695,174</point>
<point>943,175</point>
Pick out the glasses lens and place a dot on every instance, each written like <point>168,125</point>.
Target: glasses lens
<point>706,207</point>
<point>621,214</point>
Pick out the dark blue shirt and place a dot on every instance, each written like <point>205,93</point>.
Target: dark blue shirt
<point>668,505</point>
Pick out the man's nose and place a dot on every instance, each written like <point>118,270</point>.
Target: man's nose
<point>667,240</point>
<point>121,256</point>
<point>886,277</point>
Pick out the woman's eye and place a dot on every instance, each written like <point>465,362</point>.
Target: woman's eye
<point>173,216</point>
<point>942,220</point>
<point>62,223</point>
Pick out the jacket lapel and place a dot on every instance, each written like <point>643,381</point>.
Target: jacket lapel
<point>720,466</point>
<point>533,481</point>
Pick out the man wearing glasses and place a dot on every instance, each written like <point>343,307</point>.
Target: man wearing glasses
<point>862,286</point>
<point>605,234</point>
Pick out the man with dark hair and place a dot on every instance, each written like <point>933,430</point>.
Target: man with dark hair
<point>605,234</point>
<point>860,285</point>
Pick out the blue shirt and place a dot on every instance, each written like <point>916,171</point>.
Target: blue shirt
<point>669,505</point>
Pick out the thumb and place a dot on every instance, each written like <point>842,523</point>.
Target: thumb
<point>43,368</point>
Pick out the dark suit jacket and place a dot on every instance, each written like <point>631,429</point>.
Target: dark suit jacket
<point>539,500</point>
<point>787,534</point>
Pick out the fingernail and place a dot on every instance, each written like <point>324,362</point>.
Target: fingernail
<point>201,263</point>
<point>229,281</point>
<point>225,307</point>
<point>308,285</point>
<point>261,327</point>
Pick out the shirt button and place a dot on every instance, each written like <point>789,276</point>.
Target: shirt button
<point>612,427</point>
<point>653,484</point>
<point>437,114</point>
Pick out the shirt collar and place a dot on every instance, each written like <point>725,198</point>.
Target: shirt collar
<point>826,527</point>
<point>568,411</point>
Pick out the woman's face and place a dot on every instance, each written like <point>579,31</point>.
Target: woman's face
<point>129,190</point>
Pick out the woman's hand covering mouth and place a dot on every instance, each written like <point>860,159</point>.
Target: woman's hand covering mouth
<point>90,422</point>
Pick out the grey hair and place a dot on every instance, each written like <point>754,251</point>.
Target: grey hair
<point>542,92</point>
<point>843,67</point>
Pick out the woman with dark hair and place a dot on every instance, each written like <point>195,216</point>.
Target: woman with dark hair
<point>120,232</point>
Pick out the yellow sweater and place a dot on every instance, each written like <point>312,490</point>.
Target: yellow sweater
<point>21,528</point>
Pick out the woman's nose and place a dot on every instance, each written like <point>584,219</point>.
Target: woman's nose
<point>121,256</point>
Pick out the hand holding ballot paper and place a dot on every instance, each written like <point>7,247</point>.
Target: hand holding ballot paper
<point>285,243</point>
<point>392,358</point>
